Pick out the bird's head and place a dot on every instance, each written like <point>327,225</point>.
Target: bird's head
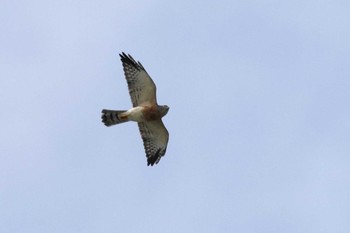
<point>163,109</point>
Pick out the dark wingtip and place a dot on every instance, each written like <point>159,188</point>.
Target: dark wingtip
<point>151,161</point>
<point>128,59</point>
<point>155,158</point>
<point>123,55</point>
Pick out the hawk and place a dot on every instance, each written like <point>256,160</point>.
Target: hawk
<point>145,110</point>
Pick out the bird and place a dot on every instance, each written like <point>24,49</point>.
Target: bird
<point>145,110</point>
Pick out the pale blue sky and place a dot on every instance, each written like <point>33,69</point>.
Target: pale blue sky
<point>259,116</point>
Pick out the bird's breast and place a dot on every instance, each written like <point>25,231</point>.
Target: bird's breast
<point>151,113</point>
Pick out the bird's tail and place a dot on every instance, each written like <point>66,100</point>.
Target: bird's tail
<point>113,117</point>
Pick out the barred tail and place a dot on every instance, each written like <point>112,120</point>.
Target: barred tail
<point>113,117</point>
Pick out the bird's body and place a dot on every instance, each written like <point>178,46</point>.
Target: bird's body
<point>134,114</point>
<point>145,111</point>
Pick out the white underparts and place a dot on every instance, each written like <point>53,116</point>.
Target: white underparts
<point>135,114</point>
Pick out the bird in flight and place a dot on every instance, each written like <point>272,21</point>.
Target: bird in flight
<point>145,110</point>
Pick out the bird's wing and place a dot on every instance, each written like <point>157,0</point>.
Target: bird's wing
<point>155,140</point>
<point>142,89</point>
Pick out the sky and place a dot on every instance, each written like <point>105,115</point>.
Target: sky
<point>259,116</point>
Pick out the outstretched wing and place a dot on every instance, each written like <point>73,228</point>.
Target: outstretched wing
<point>142,89</point>
<point>155,140</point>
